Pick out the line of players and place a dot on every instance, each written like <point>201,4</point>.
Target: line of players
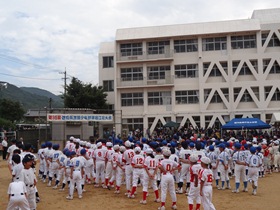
<point>81,162</point>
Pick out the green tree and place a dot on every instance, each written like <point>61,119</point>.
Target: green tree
<point>11,110</point>
<point>80,95</point>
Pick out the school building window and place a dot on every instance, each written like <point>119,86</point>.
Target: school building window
<point>218,43</point>
<point>132,99</point>
<point>157,72</point>
<point>186,71</point>
<point>157,47</point>
<point>131,49</point>
<point>108,61</point>
<point>159,98</point>
<point>273,42</point>
<point>243,42</point>
<point>108,85</point>
<point>132,74</point>
<point>187,45</point>
<point>187,97</point>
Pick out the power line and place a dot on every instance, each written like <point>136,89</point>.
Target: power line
<point>19,61</point>
<point>23,77</point>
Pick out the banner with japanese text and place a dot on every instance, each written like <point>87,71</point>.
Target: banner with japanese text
<point>80,117</point>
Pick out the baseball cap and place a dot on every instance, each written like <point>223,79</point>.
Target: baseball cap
<point>116,147</point>
<point>149,151</point>
<point>191,144</point>
<point>72,153</point>
<point>211,148</point>
<point>27,158</point>
<point>253,149</point>
<point>193,158</point>
<point>166,152</point>
<point>127,144</point>
<point>99,144</point>
<point>205,160</point>
<point>122,148</point>
<point>109,144</point>
<point>83,151</point>
<point>237,145</point>
<point>137,149</point>
<point>222,146</point>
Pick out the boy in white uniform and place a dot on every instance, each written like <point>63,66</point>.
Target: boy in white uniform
<point>28,177</point>
<point>254,162</point>
<point>17,196</point>
<point>167,167</point>
<point>206,190</point>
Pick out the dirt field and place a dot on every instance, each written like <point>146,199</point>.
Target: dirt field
<point>103,199</point>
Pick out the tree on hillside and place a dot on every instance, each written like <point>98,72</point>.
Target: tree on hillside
<point>11,110</point>
<point>80,95</point>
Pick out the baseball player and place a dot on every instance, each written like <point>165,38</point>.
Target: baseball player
<point>70,145</point>
<point>47,153</point>
<point>17,168</point>
<point>275,155</point>
<point>223,164</point>
<point>194,193</point>
<point>213,156</point>
<point>89,170</point>
<point>55,164</point>
<point>28,177</point>
<point>76,174</point>
<point>60,174</point>
<point>99,164</point>
<point>184,155</point>
<point>137,164</point>
<point>254,162</point>
<point>10,153</point>
<point>260,154</point>
<point>67,170</point>
<point>42,162</point>
<point>167,167</point>
<point>17,196</point>
<point>150,174</point>
<point>175,158</point>
<point>115,155</point>
<point>206,190</point>
<point>120,168</point>
<point>159,157</point>
<point>108,162</point>
<point>239,160</point>
<point>127,158</point>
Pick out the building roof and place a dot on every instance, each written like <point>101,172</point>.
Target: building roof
<point>107,47</point>
<point>259,17</point>
<point>266,16</point>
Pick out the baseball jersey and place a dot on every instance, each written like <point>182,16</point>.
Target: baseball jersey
<point>115,156</point>
<point>174,157</point>
<point>128,155</point>
<point>239,156</point>
<point>168,165</point>
<point>11,150</point>
<point>55,155</point>
<point>41,153</point>
<point>70,146</point>
<point>206,175</point>
<point>150,163</point>
<point>120,159</point>
<point>213,156</point>
<point>17,188</point>
<point>253,160</point>
<point>138,160</point>
<point>185,154</point>
<point>223,157</point>
<point>16,171</point>
<point>99,155</point>
<point>194,170</point>
<point>200,154</point>
<point>109,154</point>
<point>77,163</point>
<point>28,176</point>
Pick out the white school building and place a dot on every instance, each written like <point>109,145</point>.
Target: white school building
<point>199,74</point>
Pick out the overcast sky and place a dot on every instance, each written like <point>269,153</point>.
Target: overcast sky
<point>39,38</point>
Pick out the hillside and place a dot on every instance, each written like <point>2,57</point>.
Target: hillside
<point>31,98</point>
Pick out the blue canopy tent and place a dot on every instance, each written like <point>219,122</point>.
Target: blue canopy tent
<point>245,123</point>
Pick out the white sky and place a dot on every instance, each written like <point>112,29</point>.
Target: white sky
<point>59,34</point>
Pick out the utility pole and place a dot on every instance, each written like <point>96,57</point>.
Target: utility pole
<point>64,78</point>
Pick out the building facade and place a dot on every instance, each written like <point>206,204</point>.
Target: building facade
<point>201,74</point>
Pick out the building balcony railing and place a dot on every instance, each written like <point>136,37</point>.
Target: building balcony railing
<point>144,56</point>
<point>143,82</point>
